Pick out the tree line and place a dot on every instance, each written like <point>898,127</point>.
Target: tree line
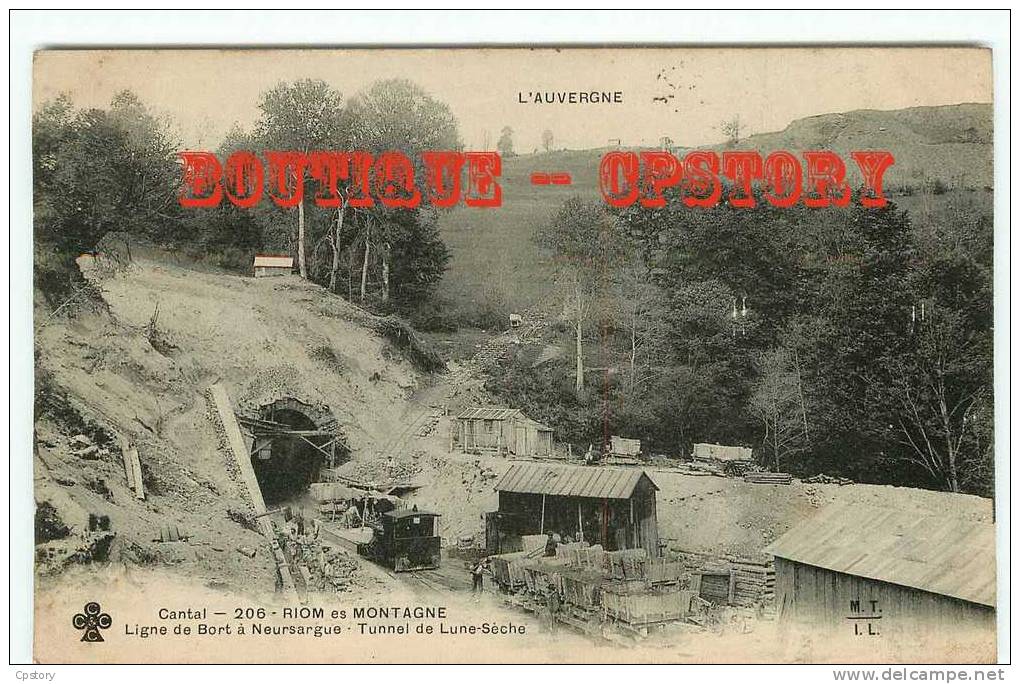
<point>98,171</point>
<point>847,341</point>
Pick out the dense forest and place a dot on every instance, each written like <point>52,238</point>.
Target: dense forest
<point>841,341</point>
<point>855,342</point>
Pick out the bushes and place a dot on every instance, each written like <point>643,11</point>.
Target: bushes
<point>403,337</point>
<point>48,524</point>
<point>60,282</point>
<point>434,316</point>
<point>442,316</point>
<point>546,394</point>
<point>490,311</point>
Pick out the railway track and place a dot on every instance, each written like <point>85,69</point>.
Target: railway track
<point>418,580</point>
<point>431,581</point>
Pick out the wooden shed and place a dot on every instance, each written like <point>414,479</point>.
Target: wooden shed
<point>502,430</point>
<point>614,507</point>
<point>864,570</point>
<point>272,265</point>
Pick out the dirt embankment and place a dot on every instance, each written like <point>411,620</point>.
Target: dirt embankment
<point>719,515</point>
<point>139,371</point>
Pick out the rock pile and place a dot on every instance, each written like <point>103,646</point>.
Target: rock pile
<point>384,470</point>
<point>330,570</point>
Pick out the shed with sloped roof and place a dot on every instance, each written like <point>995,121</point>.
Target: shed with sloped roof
<point>502,430</point>
<point>272,265</point>
<point>614,507</point>
<point>887,571</point>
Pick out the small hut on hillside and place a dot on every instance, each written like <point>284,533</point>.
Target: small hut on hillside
<point>503,431</point>
<point>272,265</point>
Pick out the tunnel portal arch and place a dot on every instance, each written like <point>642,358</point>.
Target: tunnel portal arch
<point>290,442</point>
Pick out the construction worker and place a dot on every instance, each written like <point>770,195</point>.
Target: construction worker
<point>351,517</point>
<point>552,606</point>
<point>477,576</point>
<point>327,575</point>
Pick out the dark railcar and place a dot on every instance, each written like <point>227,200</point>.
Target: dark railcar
<point>406,540</point>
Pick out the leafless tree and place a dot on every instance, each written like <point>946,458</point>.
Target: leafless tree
<point>732,130</point>
<point>580,293</point>
<point>937,395</point>
<point>776,402</point>
<point>334,238</point>
<point>585,244</point>
<point>638,309</point>
<point>547,139</point>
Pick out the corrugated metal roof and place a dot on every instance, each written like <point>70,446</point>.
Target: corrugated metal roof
<point>488,413</point>
<point>935,553</point>
<point>269,261</point>
<point>595,482</point>
<point>495,413</point>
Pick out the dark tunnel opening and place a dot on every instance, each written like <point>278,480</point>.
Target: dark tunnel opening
<point>292,462</point>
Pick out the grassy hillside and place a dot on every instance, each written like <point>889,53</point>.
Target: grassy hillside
<point>494,257</point>
<point>950,144</point>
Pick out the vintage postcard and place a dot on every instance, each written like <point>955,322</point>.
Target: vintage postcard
<point>516,355</point>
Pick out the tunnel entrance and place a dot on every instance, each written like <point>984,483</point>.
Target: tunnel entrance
<point>290,442</point>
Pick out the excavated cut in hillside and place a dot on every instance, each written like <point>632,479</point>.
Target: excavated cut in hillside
<point>134,376</point>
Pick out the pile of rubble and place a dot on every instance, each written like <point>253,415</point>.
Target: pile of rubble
<point>84,448</point>
<point>822,478</point>
<point>322,567</point>
<point>383,470</point>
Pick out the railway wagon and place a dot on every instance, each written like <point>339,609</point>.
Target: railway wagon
<point>638,605</point>
<point>508,570</point>
<point>405,540</point>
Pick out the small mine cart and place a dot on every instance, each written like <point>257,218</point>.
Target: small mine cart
<point>406,540</point>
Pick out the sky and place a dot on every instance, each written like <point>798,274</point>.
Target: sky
<point>203,93</point>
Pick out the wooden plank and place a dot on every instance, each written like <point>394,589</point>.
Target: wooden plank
<point>136,473</point>
<point>235,444</point>
<point>286,578</point>
<point>129,472</point>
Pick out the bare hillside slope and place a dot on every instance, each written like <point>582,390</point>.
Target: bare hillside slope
<point>139,372</point>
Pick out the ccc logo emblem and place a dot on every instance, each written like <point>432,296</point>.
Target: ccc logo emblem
<point>91,620</point>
